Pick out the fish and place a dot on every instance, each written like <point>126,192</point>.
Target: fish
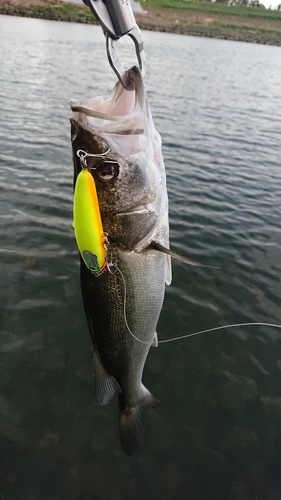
<point>123,303</point>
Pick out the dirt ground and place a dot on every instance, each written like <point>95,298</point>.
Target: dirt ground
<point>173,17</point>
<point>24,3</point>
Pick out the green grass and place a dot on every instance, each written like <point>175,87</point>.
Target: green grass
<point>214,8</point>
<point>63,12</point>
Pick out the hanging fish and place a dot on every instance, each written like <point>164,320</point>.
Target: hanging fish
<point>123,155</point>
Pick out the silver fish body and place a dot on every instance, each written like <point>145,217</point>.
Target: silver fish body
<point>127,298</point>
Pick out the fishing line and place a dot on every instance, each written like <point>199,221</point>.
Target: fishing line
<point>124,307</point>
<point>218,328</point>
<point>223,327</point>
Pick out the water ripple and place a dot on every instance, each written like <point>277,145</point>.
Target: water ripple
<point>216,104</point>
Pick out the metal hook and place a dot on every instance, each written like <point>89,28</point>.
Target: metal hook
<point>117,19</point>
<point>114,59</point>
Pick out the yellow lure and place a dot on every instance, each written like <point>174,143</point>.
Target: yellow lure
<point>87,222</point>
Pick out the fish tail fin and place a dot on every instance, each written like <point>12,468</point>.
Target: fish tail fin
<point>130,421</point>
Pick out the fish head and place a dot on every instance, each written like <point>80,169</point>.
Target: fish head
<point>123,154</point>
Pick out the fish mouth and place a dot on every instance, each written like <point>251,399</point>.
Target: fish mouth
<point>79,108</point>
<point>124,112</point>
<point>143,209</point>
<point>146,208</point>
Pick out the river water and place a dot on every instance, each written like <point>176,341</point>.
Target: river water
<point>217,433</point>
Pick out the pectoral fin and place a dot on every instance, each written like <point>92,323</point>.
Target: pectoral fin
<point>168,279</point>
<point>155,340</point>
<point>106,385</point>
<point>157,246</point>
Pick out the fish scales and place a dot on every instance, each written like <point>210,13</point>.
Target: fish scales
<point>144,298</point>
<point>126,298</point>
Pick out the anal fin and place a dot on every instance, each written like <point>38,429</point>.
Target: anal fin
<point>106,385</point>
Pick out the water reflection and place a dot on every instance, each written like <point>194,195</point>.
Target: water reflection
<point>217,432</point>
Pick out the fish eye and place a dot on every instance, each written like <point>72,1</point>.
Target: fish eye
<point>106,171</point>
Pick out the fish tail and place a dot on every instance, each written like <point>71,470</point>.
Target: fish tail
<point>131,430</point>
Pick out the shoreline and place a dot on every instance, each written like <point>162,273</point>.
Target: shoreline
<point>185,22</point>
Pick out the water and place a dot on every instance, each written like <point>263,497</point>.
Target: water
<point>217,434</point>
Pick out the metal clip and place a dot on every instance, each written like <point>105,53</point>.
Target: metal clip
<point>82,155</point>
<point>117,19</point>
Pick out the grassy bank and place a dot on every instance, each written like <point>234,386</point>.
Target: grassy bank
<point>214,8</point>
<point>199,18</point>
<point>215,20</point>
<point>57,11</point>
